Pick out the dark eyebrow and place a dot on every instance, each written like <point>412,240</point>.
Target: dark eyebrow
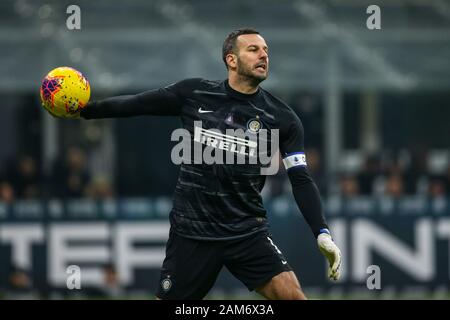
<point>256,46</point>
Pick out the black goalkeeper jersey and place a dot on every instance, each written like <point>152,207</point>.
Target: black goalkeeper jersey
<point>223,200</point>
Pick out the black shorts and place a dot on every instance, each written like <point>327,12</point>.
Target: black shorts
<point>191,267</point>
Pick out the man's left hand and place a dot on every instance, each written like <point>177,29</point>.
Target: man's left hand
<point>330,250</point>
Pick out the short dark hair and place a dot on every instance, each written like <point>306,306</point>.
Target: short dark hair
<point>229,45</point>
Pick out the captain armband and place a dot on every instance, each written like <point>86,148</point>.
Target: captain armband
<point>296,159</point>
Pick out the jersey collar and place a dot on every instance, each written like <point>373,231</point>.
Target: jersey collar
<point>239,95</point>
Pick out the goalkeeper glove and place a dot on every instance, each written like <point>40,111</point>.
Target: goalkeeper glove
<point>330,250</point>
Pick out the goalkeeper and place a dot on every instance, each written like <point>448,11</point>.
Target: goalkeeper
<point>218,218</point>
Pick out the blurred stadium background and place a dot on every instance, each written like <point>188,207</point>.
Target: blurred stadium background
<point>374,103</point>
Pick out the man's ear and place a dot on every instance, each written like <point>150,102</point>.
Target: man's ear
<point>231,59</point>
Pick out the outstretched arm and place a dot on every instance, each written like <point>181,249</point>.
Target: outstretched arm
<point>307,195</point>
<point>159,102</point>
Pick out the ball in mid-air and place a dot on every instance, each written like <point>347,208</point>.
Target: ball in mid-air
<point>64,92</point>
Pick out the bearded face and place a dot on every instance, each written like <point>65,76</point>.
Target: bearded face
<point>256,71</point>
<point>252,57</point>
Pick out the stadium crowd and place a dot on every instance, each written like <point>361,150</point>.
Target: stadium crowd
<point>391,175</point>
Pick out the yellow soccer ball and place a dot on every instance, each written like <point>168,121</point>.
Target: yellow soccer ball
<point>64,92</point>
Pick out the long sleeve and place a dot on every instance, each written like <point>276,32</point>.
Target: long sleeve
<point>305,191</point>
<point>159,102</point>
<point>307,197</point>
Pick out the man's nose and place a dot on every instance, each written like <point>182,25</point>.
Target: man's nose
<point>263,54</point>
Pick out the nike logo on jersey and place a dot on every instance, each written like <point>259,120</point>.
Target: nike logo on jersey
<point>200,110</point>
<point>283,261</point>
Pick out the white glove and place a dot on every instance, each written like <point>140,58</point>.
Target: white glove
<point>330,250</point>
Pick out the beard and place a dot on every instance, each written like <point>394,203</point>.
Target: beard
<point>248,73</point>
